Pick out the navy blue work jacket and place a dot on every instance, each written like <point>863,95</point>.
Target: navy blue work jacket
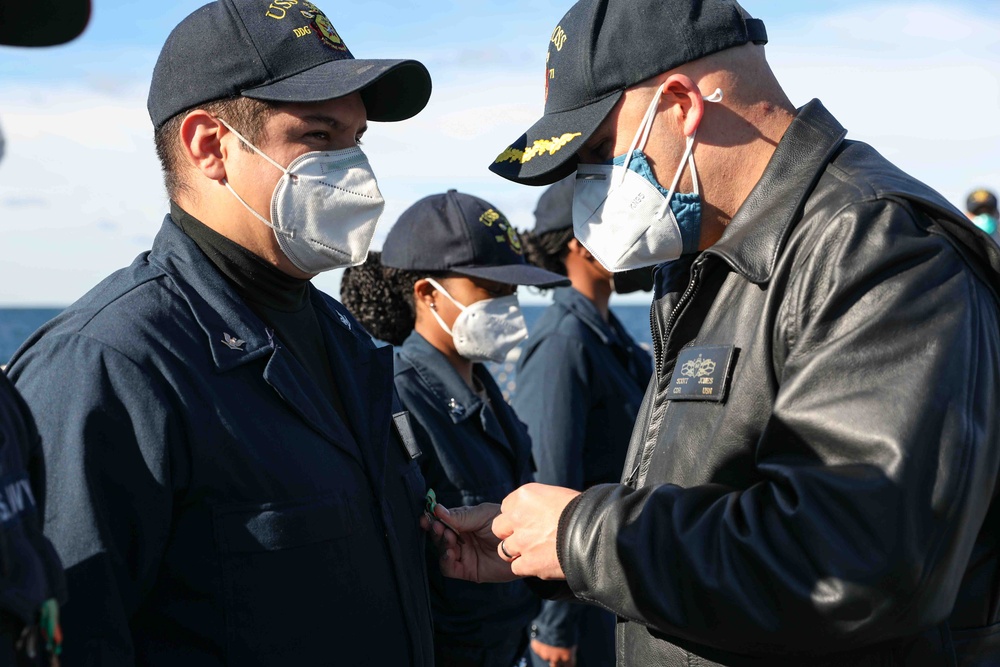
<point>580,382</point>
<point>210,506</point>
<point>472,453</point>
<point>30,572</point>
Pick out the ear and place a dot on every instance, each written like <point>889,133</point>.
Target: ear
<point>201,140</point>
<point>577,248</point>
<point>423,292</point>
<point>684,94</point>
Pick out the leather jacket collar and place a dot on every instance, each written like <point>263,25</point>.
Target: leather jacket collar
<point>753,240</point>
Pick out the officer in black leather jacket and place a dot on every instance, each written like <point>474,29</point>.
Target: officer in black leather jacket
<point>812,477</point>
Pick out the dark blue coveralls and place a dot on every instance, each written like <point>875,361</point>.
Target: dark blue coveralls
<point>472,453</point>
<point>210,506</point>
<point>580,382</point>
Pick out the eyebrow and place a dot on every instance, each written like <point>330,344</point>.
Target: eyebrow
<point>331,122</point>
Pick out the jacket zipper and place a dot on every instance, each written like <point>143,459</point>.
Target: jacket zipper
<point>660,346</point>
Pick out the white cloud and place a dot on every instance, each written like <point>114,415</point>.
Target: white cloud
<point>80,191</point>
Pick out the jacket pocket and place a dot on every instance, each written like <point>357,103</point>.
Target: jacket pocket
<point>281,564</point>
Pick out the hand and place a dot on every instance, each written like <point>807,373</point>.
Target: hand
<point>475,558</point>
<point>527,527</point>
<point>556,656</point>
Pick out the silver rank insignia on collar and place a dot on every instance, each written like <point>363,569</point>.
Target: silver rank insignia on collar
<point>232,342</point>
<point>343,320</point>
<point>456,408</point>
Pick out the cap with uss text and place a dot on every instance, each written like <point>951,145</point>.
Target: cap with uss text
<point>278,51</point>
<point>459,233</point>
<point>602,47</point>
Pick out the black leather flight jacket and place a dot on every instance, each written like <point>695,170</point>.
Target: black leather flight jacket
<point>812,477</point>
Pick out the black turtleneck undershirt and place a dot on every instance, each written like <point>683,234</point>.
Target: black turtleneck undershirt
<point>281,301</point>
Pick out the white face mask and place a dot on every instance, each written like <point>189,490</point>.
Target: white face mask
<point>325,208</point>
<point>624,219</point>
<point>486,330</point>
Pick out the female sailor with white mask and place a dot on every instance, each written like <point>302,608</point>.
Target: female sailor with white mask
<point>443,290</point>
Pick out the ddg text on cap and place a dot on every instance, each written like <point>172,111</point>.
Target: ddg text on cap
<point>276,51</point>
<point>602,47</point>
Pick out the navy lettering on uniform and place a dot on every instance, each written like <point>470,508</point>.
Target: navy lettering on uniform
<point>702,373</point>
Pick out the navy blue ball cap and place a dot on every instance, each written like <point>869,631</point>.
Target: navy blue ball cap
<point>554,211</point>
<point>51,23</point>
<point>459,233</point>
<point>601,48</point>
<point>278,51</point>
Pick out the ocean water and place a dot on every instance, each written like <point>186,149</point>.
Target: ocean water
<point>17,324</point>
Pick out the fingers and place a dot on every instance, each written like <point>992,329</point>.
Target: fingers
<point>507,553</point>
<point>502,526</point>
<point>442,538</point>
<point>519,568</point>
<point>467,519</point>
<point>450,565</point>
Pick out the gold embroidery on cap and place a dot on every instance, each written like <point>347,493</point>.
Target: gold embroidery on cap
<point>489,217</point>
<point>559,38</point>
<point>507,233</point>
<point>513,240</point>
<point>321,26</point>
<point>278,9</point>
<point>550,146</point>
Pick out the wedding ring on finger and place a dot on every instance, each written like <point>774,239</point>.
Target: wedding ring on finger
<point>503,548</point>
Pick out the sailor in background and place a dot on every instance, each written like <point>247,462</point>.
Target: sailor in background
<point>445,292</point>
<point>580,382</point>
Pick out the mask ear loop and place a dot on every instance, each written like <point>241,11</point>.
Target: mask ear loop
<point>254,148</point>
<point>225,181</point>
<point>642,134</point>
<point>437,317</point>
<point>687,160</point>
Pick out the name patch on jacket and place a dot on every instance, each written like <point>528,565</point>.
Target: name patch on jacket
<point>405,431</point>
<point>702,373</point>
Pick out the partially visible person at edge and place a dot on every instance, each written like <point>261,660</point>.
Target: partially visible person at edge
<point>444,291</point>
<point>580,381</point>
<point>812,477</point>
<point>32,584</point>
<point>981,208</point>
<point>226,485</point>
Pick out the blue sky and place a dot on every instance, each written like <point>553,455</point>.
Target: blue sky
<point>80,190</point>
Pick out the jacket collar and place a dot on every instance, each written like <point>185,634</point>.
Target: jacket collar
<point>448,387</point>
<point>754,238</point>
<point>235,334</point>
<point>585,311</point>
